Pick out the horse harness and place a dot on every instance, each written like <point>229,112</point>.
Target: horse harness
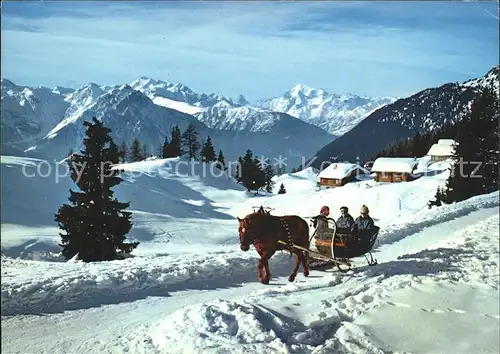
<point>286,228</point>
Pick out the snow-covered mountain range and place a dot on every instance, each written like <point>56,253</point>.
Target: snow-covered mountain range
<point>46,122</point>
<point>336,113</point>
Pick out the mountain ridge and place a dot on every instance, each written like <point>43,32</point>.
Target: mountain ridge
<point>130,113</point>
<point>423,111</point>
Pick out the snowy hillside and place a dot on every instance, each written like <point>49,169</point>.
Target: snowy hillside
<point>48,123</point>
<point>189,288</point>
<point>335,113</point>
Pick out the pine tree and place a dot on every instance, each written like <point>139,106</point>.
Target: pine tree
<point>282,189</point>
<point>259,176</point>
<point>239,170</point>
<point>251,176</point>
<point>488,150</point>
<point>190,140</point>
<point>166,151</point>
<point>221,163</point>
<point>475,169</point>
<point>95,223</point>
<point>268,178</point>
<point>438,198</point>
<point>123,152</point>
<point>144,152</point>
<point>208,151</point>
<point>135,151</point>
<point>176,143</point>
<point>70,154</point>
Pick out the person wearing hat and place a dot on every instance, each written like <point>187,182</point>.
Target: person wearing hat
<point>320,222</point>
<point>363,222</point>
<point>345,221</point>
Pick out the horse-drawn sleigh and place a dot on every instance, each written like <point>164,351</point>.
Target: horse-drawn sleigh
<point>334,246</point>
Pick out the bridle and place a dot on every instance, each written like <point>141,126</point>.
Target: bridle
<point>245,239</point>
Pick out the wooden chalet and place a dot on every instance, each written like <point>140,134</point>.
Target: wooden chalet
<point>339,174</point>
<point>394,169</point>
<point>442,150</point>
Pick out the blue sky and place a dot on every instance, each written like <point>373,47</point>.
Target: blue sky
<point>258,49</point>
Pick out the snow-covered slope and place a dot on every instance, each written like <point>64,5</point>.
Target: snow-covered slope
<point>336,113</point>
<point>190,289</point>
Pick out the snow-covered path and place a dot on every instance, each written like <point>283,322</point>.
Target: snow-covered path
<point>328,311</point>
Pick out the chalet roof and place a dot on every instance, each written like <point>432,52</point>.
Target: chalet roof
<point>446,142</point>
<point>341,170</point>
<point>444,147</point>
<point>394,164</point>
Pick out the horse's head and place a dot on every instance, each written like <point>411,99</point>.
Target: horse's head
<point>248,232</point>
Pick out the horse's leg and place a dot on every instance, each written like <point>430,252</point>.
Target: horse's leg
<point>305,267</point>
<point>260,266</point>
<point>265,260</point>
<point>298,260</point>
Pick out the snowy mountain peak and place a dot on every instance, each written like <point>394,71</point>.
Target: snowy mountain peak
<point>153,86</point>
<point>242,101</point>
<point>490,79</point>
<point>124,95</point>
<point>8,85</point>
<point>64,91</point>
<point>86,95</point>
<point>335,113</point>
<point>306,91</point>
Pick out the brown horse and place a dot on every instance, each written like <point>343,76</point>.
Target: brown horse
<point>265,230</point>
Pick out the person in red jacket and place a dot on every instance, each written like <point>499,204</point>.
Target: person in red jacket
<point>320,222</point>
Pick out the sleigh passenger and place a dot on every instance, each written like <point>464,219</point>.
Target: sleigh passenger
<point>363,225</point>
<point>320,223</point>
<point>345,221</point>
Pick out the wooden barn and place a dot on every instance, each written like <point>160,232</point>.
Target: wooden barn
<point>443,150</point>
<point>394,169</point>
<point>338,174</point>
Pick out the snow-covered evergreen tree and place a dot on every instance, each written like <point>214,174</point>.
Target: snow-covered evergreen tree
<point>208,152</point>
<point>95,224</point>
